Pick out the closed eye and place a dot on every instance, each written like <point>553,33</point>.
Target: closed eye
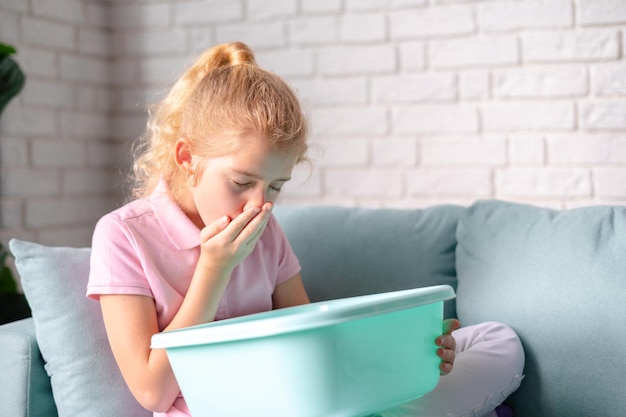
<point>242,185</point>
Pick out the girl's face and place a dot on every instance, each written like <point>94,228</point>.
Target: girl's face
<point>227,185</point>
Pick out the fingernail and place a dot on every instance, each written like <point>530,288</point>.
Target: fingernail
<point>222,221</point>
<point>270,207</point>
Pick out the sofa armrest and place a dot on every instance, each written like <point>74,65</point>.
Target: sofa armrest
<point>24,384</point>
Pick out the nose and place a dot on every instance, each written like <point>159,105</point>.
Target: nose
<point>255,198</point>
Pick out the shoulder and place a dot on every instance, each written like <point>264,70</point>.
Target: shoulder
<point>123,221</point>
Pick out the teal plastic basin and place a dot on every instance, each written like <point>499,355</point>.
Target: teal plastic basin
<point>342,358</point>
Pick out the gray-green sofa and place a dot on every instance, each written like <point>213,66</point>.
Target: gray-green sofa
<point>557,277</point>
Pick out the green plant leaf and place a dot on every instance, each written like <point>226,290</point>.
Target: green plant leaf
<point>6,49</point>
<point>11,80</point>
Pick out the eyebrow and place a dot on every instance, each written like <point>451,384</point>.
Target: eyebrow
<point>248,174</point>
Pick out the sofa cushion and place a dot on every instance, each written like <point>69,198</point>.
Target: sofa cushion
<point>559,279</point>
<point>347,252</point>
<point>85,379</point>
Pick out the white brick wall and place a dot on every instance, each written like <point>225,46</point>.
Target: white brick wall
<point>411,102</point>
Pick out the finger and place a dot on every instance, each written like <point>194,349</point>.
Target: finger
<point>214,228</point>
<point>445,368</point>
<point>239,223</point>
<point>450,325</point>
<point>446,341</point>
<point>255,228</point>
<point>446,355</point>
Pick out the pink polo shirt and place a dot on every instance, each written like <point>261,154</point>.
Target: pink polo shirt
<point>150,247</point>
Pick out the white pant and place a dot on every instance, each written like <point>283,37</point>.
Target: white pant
<point>488,367</point>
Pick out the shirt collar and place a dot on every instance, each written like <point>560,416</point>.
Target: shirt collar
<point>177,226</point>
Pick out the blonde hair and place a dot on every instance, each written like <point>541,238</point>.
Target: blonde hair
<point>223,95</point>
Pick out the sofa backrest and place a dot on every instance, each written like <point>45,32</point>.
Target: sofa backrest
<point>350,251</point>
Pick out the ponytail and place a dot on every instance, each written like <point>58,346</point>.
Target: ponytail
<point>222,95</point>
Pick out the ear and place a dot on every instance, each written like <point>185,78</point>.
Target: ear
<point>184,157</point>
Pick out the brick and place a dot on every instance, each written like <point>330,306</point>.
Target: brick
<point>528,116</point>
<point>465,151</point>
<point>84,182</point>
<point>456,183</point>
<point>394,152</point>
<point>587,45</point>
<point>314,30</point>
<point>398,4</point>
<point>72,236</point>
<point>106,154</point>
<point>602,149</point>
<point>136,99</point>
<point>381,183</point>
<point>64,210</point>
<point>160,71</point>
<point>29,182</point>
<point>127,126</point>
<point>287,63</point>
<point>474,85</point>
<point>94,42</point>
<point>474,51</point>
<point>256,35</point>
<point>208,11</point>
<point>154,42</point>
<point>49,34</point>
<point>13,152</point>
<point>321,7</point>
<point>332,91</point>
<point>16,6</point>
<point>347,153</point>
<point>431,22</point>
<point>357,60</point>
<point>57,153</point>
<point>527,150</point>
<point>9,27</point>
<point>69,11</point>
<point>435,119</point>
<point>48,94</point>
<point>594,12</point>
<point>530,14</point>
<point>84,69</point>
<point>365,5</point>
<point>97,15</point>
<point>97,99</point>
<point>84,125</point>
<point>20,121</point>
<point>349,121</point>
<point>271,9</point>
<point>201,39</point>
<point>11,214</point>
<point>127,73</point>
<point>543,183</point>
<point>530,82</point>
<point>413,55</point>
<point>363,28</point>
<point>608,79</point>
<point>609,115</point>
<point>37,62</point>
<point>133,16</point>
<point>610,182</point>
<point>414,88</point>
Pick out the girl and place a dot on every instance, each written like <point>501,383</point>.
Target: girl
<point>199,242</point>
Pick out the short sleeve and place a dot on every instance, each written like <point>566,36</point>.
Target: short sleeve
<point>115,265</point>
<point>288,263</point>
